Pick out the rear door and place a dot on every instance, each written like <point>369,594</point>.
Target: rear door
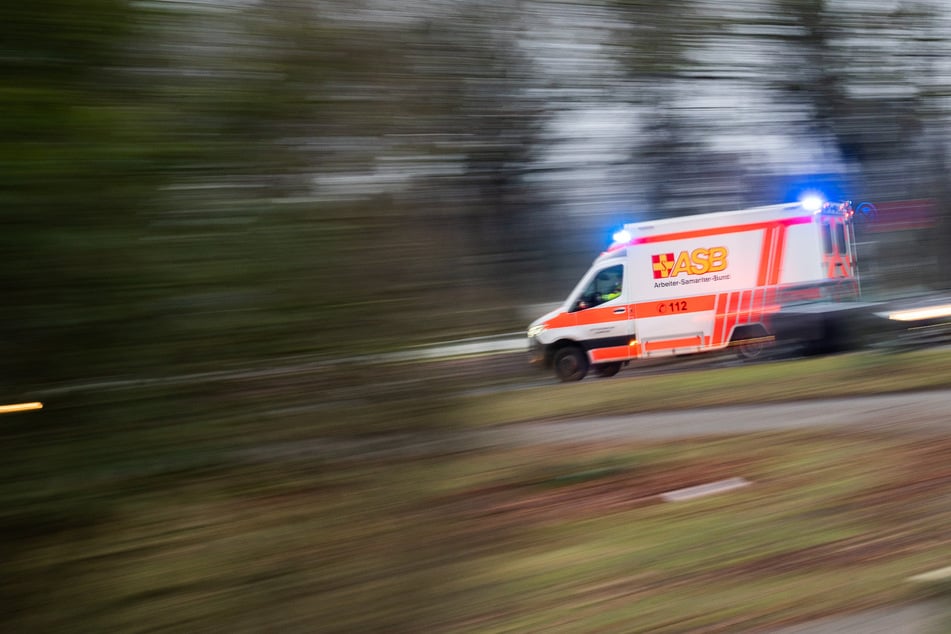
<point>838,257</point>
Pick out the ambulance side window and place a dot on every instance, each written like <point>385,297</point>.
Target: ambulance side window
<point>827,238</point>
<point>840,238</point>
<point>605,286</point>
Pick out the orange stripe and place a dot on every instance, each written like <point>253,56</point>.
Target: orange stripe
<point>563,320</point>
<point>667,344</point>
<point>744,313</point>
<point>718,323</point>
<point>675,306</point>
<point>777,265</point>
<point>602,315</point>
<point>764,257</point>
<point>616,353</point>
<point>717,231</point>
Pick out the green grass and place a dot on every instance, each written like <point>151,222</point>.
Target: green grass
<point>858,374</point>
<point>428,546</point>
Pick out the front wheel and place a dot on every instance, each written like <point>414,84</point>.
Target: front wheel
<point>607,370</point>
<point>571,364</point>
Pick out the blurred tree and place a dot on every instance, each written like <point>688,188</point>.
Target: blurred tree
<point>662,48</point>
<point>190,184</point>
<point>849,79</point>
<point>868,76</point>
<point>77,168</point>
<point>476,106</point>
<point>858,84</point>
<point>250,99</point>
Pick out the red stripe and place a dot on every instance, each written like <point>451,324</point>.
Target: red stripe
<point>745,300</point>
<point>668,344</point>
<point>616,353</point>
<point>764,259</point>
<point>718,323</point>
<point>674,306</point>
<point>777,265</point>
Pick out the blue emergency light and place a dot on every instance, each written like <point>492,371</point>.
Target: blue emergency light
<point>812,202</point>
<point>622,236</point>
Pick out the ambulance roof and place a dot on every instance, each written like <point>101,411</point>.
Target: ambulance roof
<point>638,231</point>
<point>716,219</point>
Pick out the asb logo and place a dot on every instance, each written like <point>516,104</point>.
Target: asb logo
<point>696,262</point>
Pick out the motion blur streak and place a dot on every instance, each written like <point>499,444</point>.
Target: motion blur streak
<point>225,223</point>
<point>918,314</point>
<point>20,407</point>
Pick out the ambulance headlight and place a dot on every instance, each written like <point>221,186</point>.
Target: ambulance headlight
<point>536,330</point>
<point>812,202</point>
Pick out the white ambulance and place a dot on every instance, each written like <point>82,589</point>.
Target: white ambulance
<point>696,284</point>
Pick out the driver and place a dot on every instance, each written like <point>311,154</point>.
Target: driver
<point>609,286</point>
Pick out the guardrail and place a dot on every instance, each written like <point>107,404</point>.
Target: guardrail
<point>510,342</point>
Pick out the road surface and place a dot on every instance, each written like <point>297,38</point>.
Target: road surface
<point>912,413</point>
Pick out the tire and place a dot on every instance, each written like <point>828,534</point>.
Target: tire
<point>570,363</point>
<point>607,370</point>
<point>751,343</point>
<point>751,351</point>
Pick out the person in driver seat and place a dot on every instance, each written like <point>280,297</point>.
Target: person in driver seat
<point>609,286</point>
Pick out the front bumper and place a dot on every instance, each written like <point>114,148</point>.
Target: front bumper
<point>536,353</point>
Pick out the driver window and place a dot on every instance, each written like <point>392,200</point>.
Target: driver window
<point>605,286</point>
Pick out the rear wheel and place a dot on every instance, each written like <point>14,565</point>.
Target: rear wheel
<point>751,350</point>
<point>607,370</point>
<point>571,363</point>
<point>751,343</point>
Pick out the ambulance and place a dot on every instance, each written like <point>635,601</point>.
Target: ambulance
<point>700,283</point>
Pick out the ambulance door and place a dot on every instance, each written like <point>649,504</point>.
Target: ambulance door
<point>838,255</point>
<point>605,320</point>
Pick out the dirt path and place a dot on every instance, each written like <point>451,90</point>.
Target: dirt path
<point>917,411</point>
<point>926,413</point>
<point>928,617</point>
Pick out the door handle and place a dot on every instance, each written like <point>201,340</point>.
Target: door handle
<point>620,311</point>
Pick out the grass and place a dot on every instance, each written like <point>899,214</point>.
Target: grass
<point>474,543</point>
<point>858,374</point>
<point>147,517</point>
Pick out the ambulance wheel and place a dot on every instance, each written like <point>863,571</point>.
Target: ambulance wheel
<point>607,370</point>
<point>751,343</point>
<point>751,351</point>
<point>571,364</point>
